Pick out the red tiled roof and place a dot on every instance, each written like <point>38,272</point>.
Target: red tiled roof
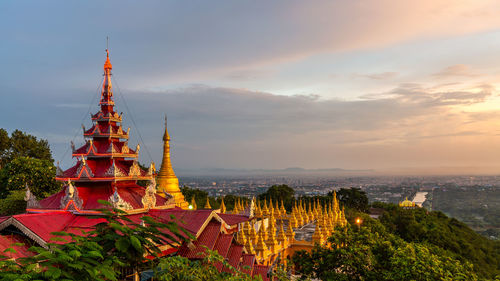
<point>190,220</point>
<point>207,239</point>
<point>43,224</point>
<point>247,264</point>
<point>222,246</point>
<point>223,243</point>
<point>233,256</point>
<point>261,270</point>
<point>7,241</point>
<point>232,219</point>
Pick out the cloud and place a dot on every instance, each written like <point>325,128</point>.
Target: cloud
<point>190,41</point>
<point>237,126</point>
<point>377,76</point>
<point>457,70</point>
<point>227,127</point>
<point>247,74</point>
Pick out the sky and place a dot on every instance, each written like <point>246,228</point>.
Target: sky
<point>386,85</point>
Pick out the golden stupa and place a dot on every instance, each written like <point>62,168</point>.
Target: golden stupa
<point>166,179</point>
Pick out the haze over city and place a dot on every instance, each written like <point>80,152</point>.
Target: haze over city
<point>390,86</point>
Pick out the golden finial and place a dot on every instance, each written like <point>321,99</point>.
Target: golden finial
<point>107,64</point>
<point>241,237</point>
<point>300,219</point>
<point>290,234</point>
<point>318,237</point>
<point>252,234</point>
<point>193,203</point>
<point>293,220</point>
<point>263,229</point>
<point>246,228</point>
<point>283,210</point>
<point>261,248</point>
<point>222,206</point>
<point>271,236</point>
<point>265,210</point>
<point>271,209</point>
<point>207,204</point>
<point>258,211</point>
<point>324,224</point>
<point>282,237</point>
<point>235,207</point>
<point>249,246</point>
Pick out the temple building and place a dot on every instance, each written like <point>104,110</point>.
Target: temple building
<point>254,237</point>
<point>407,204</point>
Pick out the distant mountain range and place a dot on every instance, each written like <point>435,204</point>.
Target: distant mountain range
<point>286,171</point>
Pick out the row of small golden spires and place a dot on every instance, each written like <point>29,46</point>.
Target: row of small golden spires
<point>265,242</point>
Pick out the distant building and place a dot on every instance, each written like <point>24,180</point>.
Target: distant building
<point>407,204</point>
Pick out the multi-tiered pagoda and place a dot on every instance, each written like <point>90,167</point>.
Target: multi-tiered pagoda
<point>106,168</point>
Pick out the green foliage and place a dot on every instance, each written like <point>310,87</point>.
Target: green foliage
<point>36,173</point>
<point>353,198</point>
<point>477,206</point>
<point>20,144</point>
<point>13,204</point>
<point>4,146</point>
<point>374,254</point>
<point>182,269</point>
<point>279,193</point>
<point>420,225</point>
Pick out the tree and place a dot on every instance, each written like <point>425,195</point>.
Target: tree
<point>200,196</point>
<point>372,253</point>
<point>4,146</point>
<point>38,174</point>
<point>435,228</point>
<point>26,145</point>
<point>13,204</point>
<point>353,198</point>
<point>279,193</point>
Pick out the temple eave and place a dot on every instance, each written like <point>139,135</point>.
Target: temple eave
<point>65,179</point>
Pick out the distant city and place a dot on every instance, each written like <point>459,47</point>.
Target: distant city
<point>474,200</point>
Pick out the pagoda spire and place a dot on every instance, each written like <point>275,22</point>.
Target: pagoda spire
<point>167,180</point>
<point>107,92</point>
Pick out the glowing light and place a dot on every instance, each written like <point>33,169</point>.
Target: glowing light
<point>358,221</point>
<point>190,207</point>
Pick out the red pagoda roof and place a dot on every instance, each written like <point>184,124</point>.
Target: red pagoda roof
<point>90,195</point>
<point>105,169</point>
<point>105,149</point>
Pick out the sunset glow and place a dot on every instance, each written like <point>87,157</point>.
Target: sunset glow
<point>392,86</point>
